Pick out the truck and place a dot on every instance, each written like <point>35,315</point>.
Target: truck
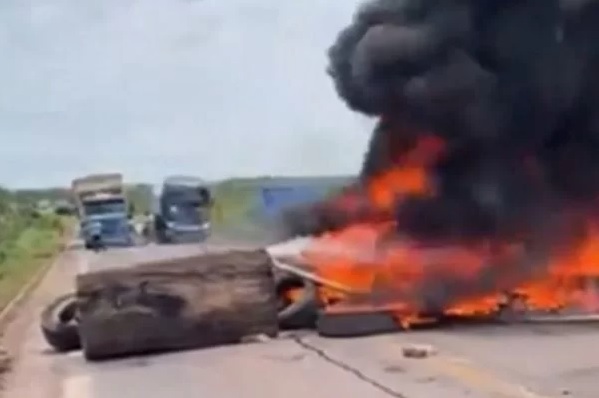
<point>182,210</point>
<point>103,210</point>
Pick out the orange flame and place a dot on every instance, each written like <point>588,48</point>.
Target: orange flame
<point>293,294</point>
<point>396,271</point>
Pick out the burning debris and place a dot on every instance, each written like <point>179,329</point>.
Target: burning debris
<point>479,190</point>
<point>481,179</point>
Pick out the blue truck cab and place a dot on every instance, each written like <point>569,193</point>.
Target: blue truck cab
<point>103,211</point>
<point>106,223</point>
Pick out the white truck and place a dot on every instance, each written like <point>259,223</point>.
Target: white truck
<point>103,210</point>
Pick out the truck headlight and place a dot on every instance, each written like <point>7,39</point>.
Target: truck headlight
<point>93,227</point>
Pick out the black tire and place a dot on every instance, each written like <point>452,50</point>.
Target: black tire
<point>161,237</point>
<point>300,313</point>
<point>59,323</point>
<point>355,324</point>
<point>147,233</point>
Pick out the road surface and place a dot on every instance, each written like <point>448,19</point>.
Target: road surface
<point>531,361</point>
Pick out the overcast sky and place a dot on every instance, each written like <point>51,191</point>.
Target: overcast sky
<point>153,87</point>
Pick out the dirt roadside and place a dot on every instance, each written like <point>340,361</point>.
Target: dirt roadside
<point>35,370</point>
<point>30,371</point>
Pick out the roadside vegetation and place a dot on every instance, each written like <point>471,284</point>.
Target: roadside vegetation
<point>140,195</point>
<point>29,239</point>
<point>239,204</point>
<point>235,202</point>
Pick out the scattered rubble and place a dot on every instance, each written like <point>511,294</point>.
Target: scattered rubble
<point>256,338</point>
<point>418,351</point>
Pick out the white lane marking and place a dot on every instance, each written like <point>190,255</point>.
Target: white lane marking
<point>78,386</point>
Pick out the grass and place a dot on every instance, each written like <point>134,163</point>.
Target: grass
<point>234,204</point>
<point>238,201</point>
<point>22,258</point>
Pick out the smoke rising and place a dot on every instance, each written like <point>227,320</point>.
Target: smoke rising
<point>508,85</point>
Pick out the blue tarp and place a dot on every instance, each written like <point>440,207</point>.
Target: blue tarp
<point>276,199</point>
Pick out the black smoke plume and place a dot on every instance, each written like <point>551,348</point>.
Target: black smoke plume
<point>510,86</point>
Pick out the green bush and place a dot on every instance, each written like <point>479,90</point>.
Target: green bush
<point>234,203</point>
<point>238,201</point>
<point>27,239</point>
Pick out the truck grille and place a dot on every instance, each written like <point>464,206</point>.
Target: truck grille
<point>112,227</point>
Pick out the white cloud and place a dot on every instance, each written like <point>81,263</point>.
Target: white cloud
<point>151,87</point>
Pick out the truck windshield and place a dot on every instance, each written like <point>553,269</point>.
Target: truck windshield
<point>198,196</point>
<point>105,207</point>
<point>184,213</point>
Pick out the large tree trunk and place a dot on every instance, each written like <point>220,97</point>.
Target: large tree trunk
<point>192,302</point>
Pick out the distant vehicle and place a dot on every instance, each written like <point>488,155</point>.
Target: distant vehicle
<point>103,210</point>
<point>275,199</point>
<point>182,211</point>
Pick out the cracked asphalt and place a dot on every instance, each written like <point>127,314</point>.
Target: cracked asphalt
<point>524,361</point>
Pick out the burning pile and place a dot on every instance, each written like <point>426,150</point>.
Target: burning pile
<point>481,179</point>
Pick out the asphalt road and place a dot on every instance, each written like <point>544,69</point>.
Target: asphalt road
<point>529,361</point>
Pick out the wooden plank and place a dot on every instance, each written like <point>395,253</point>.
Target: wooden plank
<point>299,267</point>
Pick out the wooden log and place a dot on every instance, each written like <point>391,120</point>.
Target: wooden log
<point>184,303</point>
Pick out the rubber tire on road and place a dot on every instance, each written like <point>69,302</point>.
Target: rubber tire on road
<point>358,324</point>
<point>301,313</point>
<point>59,323</point>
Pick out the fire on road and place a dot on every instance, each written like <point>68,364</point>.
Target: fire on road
<point>523,361</point>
